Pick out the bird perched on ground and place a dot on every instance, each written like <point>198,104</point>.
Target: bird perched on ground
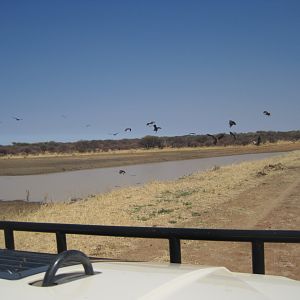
<point>127,129</point>
<point>216,138</point>
<point>267,113</point>
<point>233,135</point>
<point>17,118</point>
<point>155,128</point>
<point>231,123</point>
<point>122,172</point>
<point>150,123</point>
<point>258,141</point>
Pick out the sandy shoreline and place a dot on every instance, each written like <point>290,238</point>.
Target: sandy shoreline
<point>62,163</point>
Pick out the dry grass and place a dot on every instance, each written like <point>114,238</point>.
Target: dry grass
<point>178,203</point>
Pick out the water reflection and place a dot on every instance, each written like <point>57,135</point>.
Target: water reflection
<point>78,184</point>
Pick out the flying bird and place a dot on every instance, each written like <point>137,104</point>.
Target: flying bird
<point>150,123</point>
<point>122,172</point>
<point>192,133</point>
<point>155,128</point>
<point>233,135</point>
<point>127,129</point>
<point>17,118</point>
<point>216,138</point>
<point>267,113</point>
<point>114,133</point>
<point>231,123</point>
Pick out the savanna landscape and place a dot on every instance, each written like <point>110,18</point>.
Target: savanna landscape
<point>176,116</point>
<point>261,194</point>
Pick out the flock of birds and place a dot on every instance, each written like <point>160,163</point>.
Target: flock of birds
<point>231,123</point>
<point>215,138</point>
<point>152,123</point>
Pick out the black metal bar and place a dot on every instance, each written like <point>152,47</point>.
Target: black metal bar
<point>174,235</point>
<point>233,235</point>
<point>175,250</point>
<point>258,257</point>
<point>61,242</point>
<point>9,238</point>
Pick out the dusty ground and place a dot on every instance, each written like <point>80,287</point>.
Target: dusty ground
<point>272,204</point>
<point>251,195</point>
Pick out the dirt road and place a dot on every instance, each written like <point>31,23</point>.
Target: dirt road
<point>272,204</point>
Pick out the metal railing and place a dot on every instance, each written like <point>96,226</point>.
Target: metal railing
<point>257,238</point>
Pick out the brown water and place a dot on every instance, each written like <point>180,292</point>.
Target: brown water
<point>78,184</point>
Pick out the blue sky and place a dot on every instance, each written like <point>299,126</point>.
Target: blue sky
<point>188,65</point>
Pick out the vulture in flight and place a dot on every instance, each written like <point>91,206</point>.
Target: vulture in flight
<point>216,138</point>
<point>231,123</point>
<point>155,128</point>
<point>150,123</point>
<point>17,118</point>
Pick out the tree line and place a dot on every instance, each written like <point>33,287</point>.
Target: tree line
<point>147,142</point>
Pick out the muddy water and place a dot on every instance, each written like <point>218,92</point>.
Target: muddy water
<point>77,184</point>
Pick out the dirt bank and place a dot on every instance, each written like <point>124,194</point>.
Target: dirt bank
<point>28,165</point>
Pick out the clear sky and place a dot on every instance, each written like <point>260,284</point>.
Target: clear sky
<point>79,70</point>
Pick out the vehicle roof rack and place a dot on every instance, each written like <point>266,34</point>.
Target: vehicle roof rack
<point>20,264</point>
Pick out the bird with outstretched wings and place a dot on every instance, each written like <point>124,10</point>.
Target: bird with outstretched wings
<point>231,123</point>
<point>150,123</point>
<point>156,128</point>
<point>216,138</point>
<point>17,118</point>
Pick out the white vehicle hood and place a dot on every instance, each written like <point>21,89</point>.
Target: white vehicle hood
<point>117,280</point>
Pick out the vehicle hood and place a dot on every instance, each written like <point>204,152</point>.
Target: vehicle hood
<point>116,280</point>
